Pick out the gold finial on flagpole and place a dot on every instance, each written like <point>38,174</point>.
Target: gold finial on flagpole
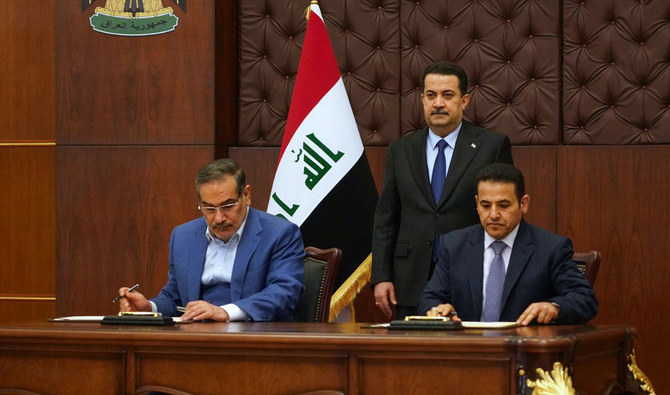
<point>313,2</point>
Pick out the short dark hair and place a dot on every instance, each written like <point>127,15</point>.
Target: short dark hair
<point>502,172</point>
<point>215,170</point>
<point>446,68</point>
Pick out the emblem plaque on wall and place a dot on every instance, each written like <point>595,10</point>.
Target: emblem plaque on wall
<point>133,17</point>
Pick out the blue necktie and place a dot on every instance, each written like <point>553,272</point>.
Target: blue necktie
<point>495,284</point>
<point>439,171</point>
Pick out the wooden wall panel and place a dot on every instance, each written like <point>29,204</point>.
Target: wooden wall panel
<point>27,228</point>
<point>136,90</point>
<point>23,308</point>
<point>539,167</point>
<point>259,165</point>
<point>28,220</point>
<point>27,64</point>
<point>27,187</point>
<point>377,160</point>
<point>117,207</point>
<point>616,199</point>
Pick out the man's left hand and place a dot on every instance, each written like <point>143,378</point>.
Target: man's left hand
<point>201,310</point>
<point>545,312</point>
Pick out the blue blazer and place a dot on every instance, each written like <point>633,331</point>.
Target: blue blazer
<point>540,270</point>
<point>268,271</point>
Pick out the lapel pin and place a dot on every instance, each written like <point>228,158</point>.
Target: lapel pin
<point>473,145</point>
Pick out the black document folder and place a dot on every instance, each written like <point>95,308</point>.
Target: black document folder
<point>425,323</point>
<point>131,319</point>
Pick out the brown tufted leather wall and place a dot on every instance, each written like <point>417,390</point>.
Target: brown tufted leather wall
<point>543,72</point>
<point>616,72</point>
<point>510,49</point>
<point>365,38</point>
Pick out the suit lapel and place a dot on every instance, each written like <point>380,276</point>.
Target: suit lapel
<point>521,253</point>
<point>467,145</point>
<point>245,249</point>
<point>416,159</point>
<point>199,251</point>
<point>475,255</point>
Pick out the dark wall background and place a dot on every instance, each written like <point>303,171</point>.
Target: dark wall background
<point>102,135</point>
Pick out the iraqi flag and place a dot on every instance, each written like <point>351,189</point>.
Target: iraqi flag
<point>323,182</point>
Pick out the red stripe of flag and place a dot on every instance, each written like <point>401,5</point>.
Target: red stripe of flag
<point>317,73</point>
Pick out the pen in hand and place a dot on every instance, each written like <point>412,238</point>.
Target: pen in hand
<point>131,289</point>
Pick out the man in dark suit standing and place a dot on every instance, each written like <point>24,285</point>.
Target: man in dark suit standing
<point>507,269</point>
<point>428,189</point>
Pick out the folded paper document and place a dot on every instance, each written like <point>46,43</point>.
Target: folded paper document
<point>79,318</point>
<point>488,325</point>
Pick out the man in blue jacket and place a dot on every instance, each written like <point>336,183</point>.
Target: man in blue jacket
<point>506,269</point>
<point>235,263</point>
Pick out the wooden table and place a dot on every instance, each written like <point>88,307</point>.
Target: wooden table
<point>295,358</point>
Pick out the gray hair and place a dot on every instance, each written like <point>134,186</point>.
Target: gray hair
<point>216,170</point>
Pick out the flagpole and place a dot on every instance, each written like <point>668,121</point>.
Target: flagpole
<point>309,7</point>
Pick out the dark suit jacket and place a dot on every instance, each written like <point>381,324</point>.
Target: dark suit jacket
<point>540,270</point>
<point>268,271</point>
<point>407,219</point>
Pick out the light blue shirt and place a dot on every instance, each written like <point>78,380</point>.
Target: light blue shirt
<point>219,261</point>
<point>220,257</point>
<point>489,254</point>
<point>431,149</point>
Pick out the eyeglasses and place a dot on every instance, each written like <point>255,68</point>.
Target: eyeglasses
<point>226,208</point>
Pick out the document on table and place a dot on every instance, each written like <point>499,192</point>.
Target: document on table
<point>469,325</point>
<point>79,318</point>
<point>488,325</point>
<point>98,318</point>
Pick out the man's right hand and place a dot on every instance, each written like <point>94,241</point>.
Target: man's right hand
<point>443,310</point>
<point>385,297</point>
<point>133,301</point>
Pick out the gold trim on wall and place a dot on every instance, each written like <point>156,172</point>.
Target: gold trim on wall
<point>27,143</point>
<point>31,298</point>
